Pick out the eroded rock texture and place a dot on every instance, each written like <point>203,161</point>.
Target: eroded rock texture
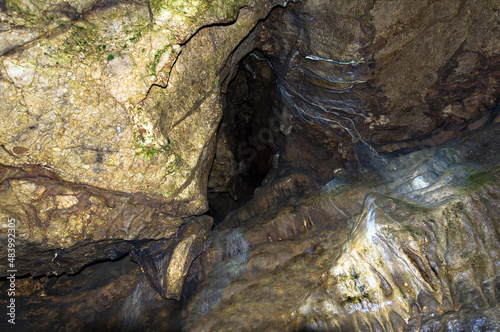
<point>251,165</point>
<point>414,247</point>
<point>94,144</point>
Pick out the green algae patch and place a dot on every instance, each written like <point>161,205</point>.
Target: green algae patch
<point>158,55</point>
<point>151,152</point>
<point>479,179</point>
<point>84,39</point>
<point>30,15</point>
<point>97,43</point>
<point>197,12</point>
<point>412,232</point>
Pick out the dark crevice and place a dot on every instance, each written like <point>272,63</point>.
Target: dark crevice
<point>246,139</point>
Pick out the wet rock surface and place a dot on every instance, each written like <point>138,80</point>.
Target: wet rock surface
<point>251,165</point>
<point>352,73</point>
<point>416,247</point>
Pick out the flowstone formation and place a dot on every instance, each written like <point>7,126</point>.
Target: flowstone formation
<point>414,246</point>
<point>251,165</point>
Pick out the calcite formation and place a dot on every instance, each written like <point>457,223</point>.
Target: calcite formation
<point>215,165</point>
<point>413,247</point>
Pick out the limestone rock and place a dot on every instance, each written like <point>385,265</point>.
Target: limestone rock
<point>353,179</point>
<point>188,248</point>
<point>380,73</point>
<point>421,252</point>
<point>94,144</point>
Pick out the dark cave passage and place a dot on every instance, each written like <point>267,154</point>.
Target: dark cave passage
<point>247,147</point>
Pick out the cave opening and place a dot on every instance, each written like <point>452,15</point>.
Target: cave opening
<point>247,147</point>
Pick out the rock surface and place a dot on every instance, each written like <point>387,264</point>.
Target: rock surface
<point>343,152</point>
<point>415,248</point>
<point>94,144</point>
<point>389,74</point>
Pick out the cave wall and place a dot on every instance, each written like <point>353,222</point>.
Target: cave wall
<point>377,175</point>
<point>413,246</point>
<point>109,104</point>
<point>391,74</point>
<point>95,145</point>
